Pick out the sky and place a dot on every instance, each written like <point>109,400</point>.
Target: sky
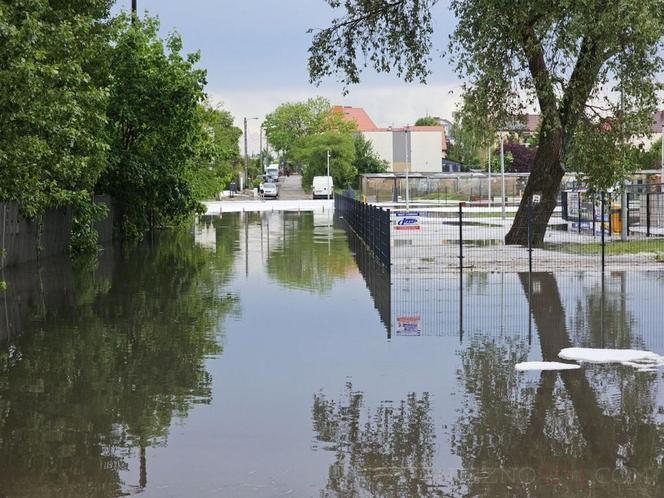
<point>255,52</point>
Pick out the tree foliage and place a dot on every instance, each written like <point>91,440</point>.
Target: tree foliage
<point>53,100</point>
<point>366,158</point>
<point>155,130</point>
<point>291,122</point>
<point>312,154</point>
<point>577,61</point>
<point>427,121</point>
<point>222,152</point>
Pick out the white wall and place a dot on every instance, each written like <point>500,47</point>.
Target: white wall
<point>425,149</point>
<point>426,154</point>
<point>382,144</point>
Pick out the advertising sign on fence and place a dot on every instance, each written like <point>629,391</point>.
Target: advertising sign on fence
<point>407,221</point>
<point>408,325</point>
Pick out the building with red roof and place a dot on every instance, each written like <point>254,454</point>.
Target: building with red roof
<point>414,148</point>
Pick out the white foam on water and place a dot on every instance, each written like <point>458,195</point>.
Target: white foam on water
<point>545,365</point>
<point>641,360</point>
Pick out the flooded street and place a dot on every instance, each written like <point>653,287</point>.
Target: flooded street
<point>268,354</point>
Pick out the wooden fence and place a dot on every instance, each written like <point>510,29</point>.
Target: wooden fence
<point>23,240</point>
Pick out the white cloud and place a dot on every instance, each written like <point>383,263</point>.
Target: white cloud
<point>395,105</point>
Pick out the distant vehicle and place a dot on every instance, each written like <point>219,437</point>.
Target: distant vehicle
<point>270,189</point>
<point>322,186</point>
<point>272,172</point>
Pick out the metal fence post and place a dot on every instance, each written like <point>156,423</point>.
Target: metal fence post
<point>628,197</point>
<point>648,214</point>
<point>530,236</point>
<point>603,243</point>
<point>461,236</point>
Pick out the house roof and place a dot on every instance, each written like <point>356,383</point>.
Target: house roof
<point>366,124</point>
<point>357,114</point>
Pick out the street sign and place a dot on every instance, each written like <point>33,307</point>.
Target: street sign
<point>407,220</point>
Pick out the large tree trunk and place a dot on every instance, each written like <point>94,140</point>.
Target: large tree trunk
<point>544,180</point>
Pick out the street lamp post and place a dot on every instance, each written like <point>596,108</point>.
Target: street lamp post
<point>328,175</point>
<point>407,139</point>
<point>502,176</point>
<point>245,179</point>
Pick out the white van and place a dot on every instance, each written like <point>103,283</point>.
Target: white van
<point>322,186</point>
<point>272,171</point>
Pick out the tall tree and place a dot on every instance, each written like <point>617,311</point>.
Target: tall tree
<point>573,60</point>
<point>312,151</point>
<point>292,121</point>
<point>155,129</point>
<point>52,102</point>
<point>222,152</point>
<point>366,158</point>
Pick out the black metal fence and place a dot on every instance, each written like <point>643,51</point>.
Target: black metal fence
<point>370,223</point>
<point>587,232</point>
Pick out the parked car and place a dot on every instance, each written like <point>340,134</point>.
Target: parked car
<point>270,189</point>
<point>322,186</point>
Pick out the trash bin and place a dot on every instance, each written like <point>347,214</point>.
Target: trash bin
<point>232,188</point>
<point>616,220</point>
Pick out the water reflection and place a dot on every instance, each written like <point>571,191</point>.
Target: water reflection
<point>390,454</point>
<point>554,436</point>
<point>597,431</point>
<point>313,252</point>
<point>99,358</point>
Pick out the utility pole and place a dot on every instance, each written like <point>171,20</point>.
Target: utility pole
<point>260,147</point>
<point>502,175</point>
<point>134,10</point>
<point>328,175</point>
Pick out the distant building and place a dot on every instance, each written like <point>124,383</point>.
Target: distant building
<point>657,123</point>
<point>428,144</point>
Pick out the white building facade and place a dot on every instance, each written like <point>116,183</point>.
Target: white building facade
<point>418,149</point>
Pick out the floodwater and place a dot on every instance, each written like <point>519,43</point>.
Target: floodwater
<point>265,355</point>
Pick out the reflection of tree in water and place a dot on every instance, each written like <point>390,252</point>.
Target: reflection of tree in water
<point>391,454</point>
<point>555,437</point>
<point>311,257</point>
<point>601,318</point>
<point>85,384</point>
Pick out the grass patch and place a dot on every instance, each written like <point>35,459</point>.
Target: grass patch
<point>616,248</point>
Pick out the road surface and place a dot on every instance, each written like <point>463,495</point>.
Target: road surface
<point>290,188</point>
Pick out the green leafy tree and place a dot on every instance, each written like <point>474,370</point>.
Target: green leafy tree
<point>366,159</point>
<point>53,105</point>
<point>157,137</point>
<point>311,152</point>
<point>290,122</point>
<point>427,121</point>
<point>563,56</point>
<point>222,152</point>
